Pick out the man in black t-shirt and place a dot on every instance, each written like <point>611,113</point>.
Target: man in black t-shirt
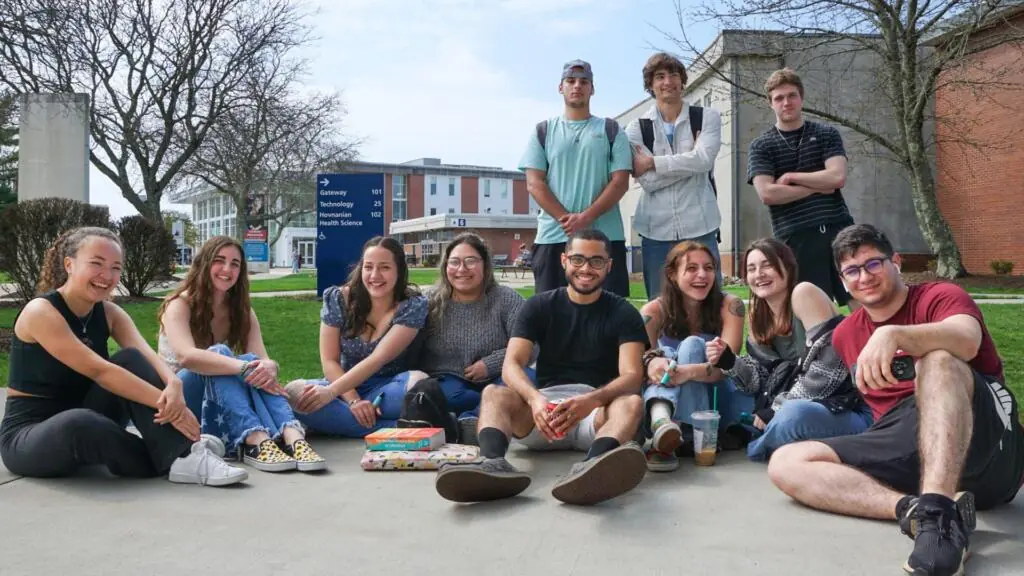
<point>798,168</point>
<point>589,373</point>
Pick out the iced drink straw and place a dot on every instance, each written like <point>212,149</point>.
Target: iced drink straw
<point>714,399</point>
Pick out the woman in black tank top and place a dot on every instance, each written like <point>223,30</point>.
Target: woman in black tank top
<point>68,402</point>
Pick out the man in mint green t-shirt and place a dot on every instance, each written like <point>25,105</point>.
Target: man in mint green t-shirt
<point>577,176</point>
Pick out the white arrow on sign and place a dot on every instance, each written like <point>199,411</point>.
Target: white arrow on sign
<point>325,182</point>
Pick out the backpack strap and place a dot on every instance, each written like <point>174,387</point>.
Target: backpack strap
<point>611,130</point>
<point>542,133</point>
<point>647,133</point>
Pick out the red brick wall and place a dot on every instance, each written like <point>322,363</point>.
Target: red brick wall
<point>520,197</point>
<point>504,241</point>
<point>470,200</point>
<point>414,198</point>
<point>979,189</point>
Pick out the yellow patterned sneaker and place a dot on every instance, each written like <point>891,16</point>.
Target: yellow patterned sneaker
<point>267,456</point>
<point>305,457</point>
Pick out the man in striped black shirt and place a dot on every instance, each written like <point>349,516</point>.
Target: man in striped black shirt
<point>798,168</point>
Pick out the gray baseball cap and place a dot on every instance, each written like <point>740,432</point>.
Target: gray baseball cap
<point>577,69</point>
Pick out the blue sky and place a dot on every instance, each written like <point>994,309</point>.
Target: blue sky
<point>466,80</point>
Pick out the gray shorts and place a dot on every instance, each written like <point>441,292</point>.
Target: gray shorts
<point>579,438</point>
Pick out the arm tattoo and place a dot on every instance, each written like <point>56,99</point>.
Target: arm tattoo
<point>647,319</point>
<point>707,371</point>
<point>736,308</point>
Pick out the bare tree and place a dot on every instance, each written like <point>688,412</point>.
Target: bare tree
<point>159,73</point>
<point>918,47</point>
<point>8,139</point>
<point>271,144</point>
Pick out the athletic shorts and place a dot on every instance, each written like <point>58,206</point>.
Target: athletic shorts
<point>813,249</point>
<point>994,467</point>
<point>579,438</point>
<point>548,273</point>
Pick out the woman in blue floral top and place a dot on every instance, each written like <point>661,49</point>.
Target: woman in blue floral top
<point>366,328</point>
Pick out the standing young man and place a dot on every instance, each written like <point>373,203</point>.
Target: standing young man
<point>798,168</point>
<point>577,169</point>
<point>678,200</point>
<point>591,346</point>
<point>944,418</point>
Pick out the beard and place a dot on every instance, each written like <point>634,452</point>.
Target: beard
<point>598,284</point>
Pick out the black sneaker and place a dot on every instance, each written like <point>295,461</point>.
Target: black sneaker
<point>964,506</point>
<point>492,479</point>
<point>940,542</point>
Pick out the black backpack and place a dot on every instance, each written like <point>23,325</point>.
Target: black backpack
<point>696,124</point>
<point>425,406</point>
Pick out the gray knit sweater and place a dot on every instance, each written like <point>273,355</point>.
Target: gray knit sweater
<point>472,331</point>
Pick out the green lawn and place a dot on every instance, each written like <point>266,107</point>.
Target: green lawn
<point>290,327</point>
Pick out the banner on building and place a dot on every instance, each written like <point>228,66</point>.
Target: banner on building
<point>256,235</point>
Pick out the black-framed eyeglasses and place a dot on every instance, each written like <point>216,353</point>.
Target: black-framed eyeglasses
<point>470,262</point>
<point>873,266</point>
<point>596,262</point>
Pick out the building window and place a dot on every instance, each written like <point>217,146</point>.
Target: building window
<point>451,210</point>
<point>215,209</point>
<point>451,186</point>
<point>504,189</point>
<point>487,188</point>
<point>433,186</point>
<point>216,228</point>
<point>433,211</point>
<point>707,100</point>
<point>398,199</point>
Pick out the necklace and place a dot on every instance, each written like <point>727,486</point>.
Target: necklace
<point>85,332</point>
<point>788,145</point>
<point>579,129</point>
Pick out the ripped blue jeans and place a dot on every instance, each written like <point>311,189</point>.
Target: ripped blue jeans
<point>231,409</point>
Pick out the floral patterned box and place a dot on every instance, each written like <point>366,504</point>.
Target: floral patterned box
<point>419,459</point>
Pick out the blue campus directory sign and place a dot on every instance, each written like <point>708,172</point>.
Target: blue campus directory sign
<point>349,211</point>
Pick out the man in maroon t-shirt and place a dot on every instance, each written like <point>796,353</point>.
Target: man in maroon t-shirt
<point>925,362</point>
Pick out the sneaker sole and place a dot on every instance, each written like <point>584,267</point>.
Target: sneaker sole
<point>663,467</point>
<point>615,473</point>
<point>215,482</point>
<point>268,467</point>
<point>311,466</point>
<point>473,485</point>
<point>667,439</point>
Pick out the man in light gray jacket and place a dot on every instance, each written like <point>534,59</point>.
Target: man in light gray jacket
<point>673,165</point>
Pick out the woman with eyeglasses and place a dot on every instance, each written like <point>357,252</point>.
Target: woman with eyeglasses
<point>691,310</point>
<point>468,327</point>
<point>367,331</point>
<point>803,389</point>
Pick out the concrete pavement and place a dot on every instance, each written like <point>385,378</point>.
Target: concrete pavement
<point>728,519</point>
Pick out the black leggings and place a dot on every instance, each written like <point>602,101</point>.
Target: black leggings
<point>44,438</point>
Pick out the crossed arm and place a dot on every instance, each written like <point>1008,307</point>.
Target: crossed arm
<point>793,186</point>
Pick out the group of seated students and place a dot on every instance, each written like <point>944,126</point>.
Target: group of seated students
<point>845,426</point>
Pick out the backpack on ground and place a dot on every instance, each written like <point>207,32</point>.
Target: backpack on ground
<point>696,124</point>
<point>425,406</point>
<point>611,130</point>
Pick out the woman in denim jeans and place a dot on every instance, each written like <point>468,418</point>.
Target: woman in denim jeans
<point>203,324</point>
<point>818,399</point>
<point>367,331</point>
<point>691,310</point>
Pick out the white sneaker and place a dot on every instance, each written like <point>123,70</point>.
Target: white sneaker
<point>204,467</point>
<point>216,445</point>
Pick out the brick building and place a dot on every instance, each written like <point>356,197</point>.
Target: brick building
<point>429,203</point>
<point>980,147</point>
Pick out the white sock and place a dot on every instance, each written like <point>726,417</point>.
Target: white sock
<point>660,409</point>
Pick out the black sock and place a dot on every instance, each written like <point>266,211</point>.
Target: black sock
<point>602,445</point>
<point>937,501</point>
<point>902,505</point>
<point>493,443</point>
